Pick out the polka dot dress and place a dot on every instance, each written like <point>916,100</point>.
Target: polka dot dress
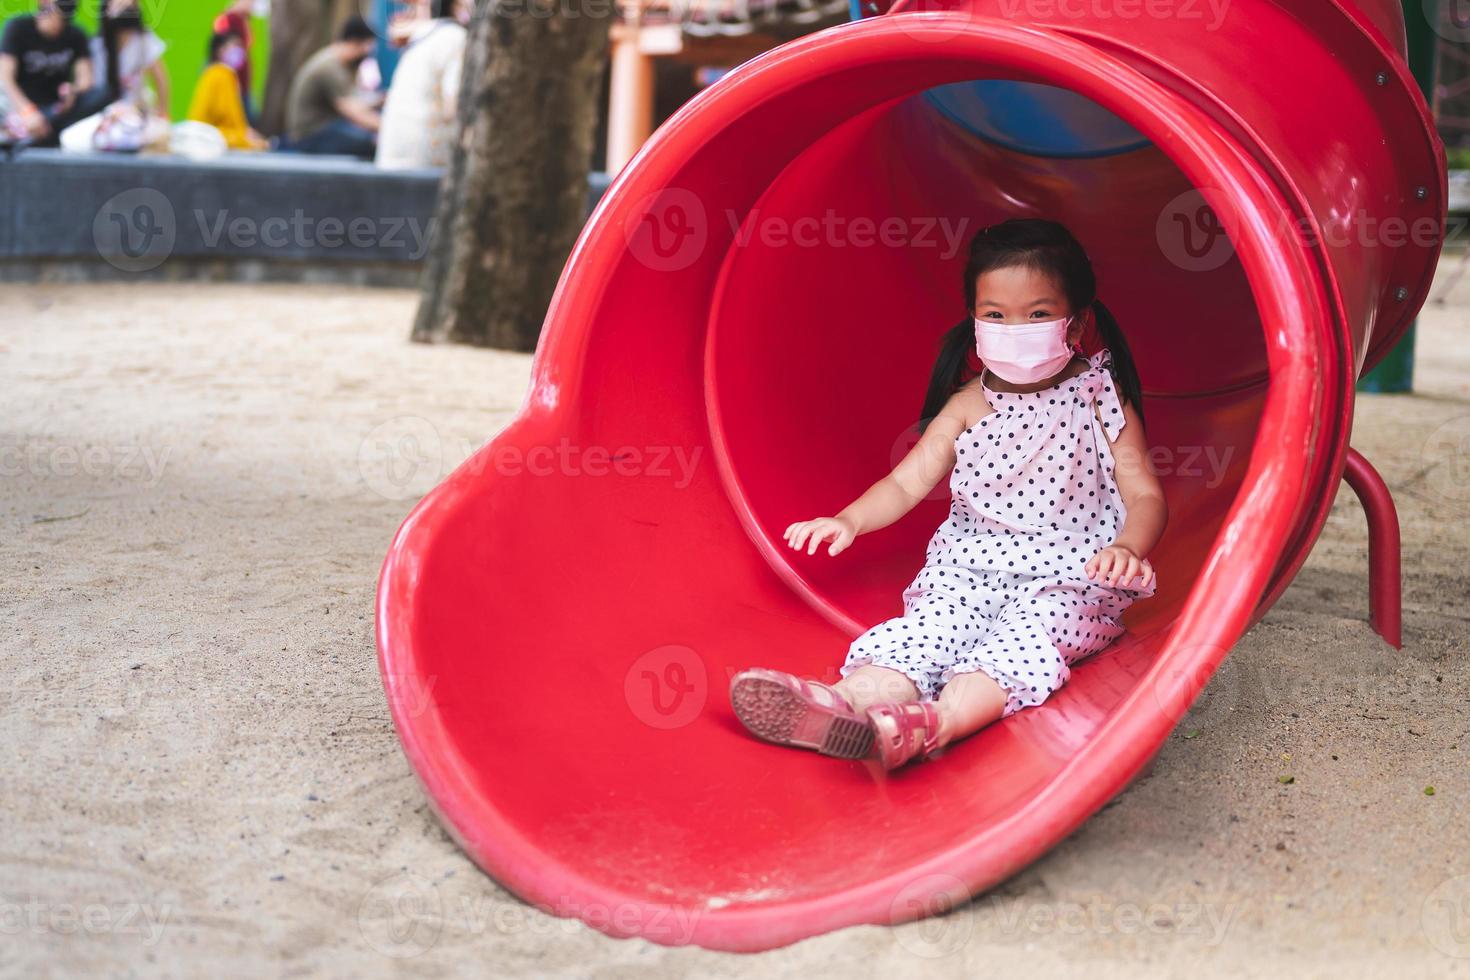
<point>1003,588</point>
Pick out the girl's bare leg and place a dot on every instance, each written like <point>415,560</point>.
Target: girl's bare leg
<point>968,703</point>
<point>871,684</point>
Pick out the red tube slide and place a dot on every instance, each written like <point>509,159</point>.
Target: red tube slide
<point>742,338</point>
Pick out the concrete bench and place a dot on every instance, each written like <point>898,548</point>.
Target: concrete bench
<point>265,216</point>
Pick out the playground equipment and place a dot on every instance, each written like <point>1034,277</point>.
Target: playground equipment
<point>731,349</point>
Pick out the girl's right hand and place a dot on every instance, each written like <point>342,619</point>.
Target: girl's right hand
<point>838,529</point>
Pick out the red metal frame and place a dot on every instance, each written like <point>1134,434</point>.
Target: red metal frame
<point>1385,578</point>
<point>556,636</point>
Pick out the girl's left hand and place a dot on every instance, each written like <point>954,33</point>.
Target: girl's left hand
<point>1116,563</point>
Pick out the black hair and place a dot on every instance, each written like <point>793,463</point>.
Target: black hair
<point>1049,248</point>
<point>66,8</point>
<point>441,8</point>
<point>218,40</point>
<point>111,27</point>
<point>355,28</point>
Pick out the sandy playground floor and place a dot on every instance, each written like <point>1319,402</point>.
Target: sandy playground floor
<point>200,776</point>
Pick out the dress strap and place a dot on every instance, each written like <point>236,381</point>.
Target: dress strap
<point>1103,390</point>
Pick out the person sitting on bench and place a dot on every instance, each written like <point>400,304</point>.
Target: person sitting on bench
<point>46,77</point>
<point>324,113</point>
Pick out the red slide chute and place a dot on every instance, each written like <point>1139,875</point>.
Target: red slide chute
<point>741,339</point>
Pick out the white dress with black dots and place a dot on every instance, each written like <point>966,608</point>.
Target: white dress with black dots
<point>1004,588</point>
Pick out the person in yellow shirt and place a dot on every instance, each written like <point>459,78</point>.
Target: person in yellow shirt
<point>217,96</point>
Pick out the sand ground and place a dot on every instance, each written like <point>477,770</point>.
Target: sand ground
<point>199,775</point>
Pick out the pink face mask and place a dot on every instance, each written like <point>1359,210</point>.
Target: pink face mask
<point>1023,353</point>
<point>233,57</point>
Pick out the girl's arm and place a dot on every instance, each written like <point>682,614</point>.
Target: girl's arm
<point>159,74</point>
<point>1122,561</point>
<point>930,460</point>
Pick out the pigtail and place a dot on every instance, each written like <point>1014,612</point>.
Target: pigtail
<point>1124,371</point>
<point>949,369</point>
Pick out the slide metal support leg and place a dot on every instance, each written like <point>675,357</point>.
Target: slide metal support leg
<point>1385,582</point>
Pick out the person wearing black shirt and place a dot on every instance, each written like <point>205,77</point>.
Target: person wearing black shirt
<point>46,71</point>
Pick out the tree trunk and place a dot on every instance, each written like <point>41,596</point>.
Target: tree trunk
<point>299,29</point>
<point>514,195</point>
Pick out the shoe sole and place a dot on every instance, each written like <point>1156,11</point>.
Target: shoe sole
<point>774,712</point>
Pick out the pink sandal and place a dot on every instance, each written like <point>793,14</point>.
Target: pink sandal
<point>904,730</point>
<point>785,709</point>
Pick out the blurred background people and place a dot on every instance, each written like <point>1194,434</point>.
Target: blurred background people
<point>419,116</point>
<point>325,112</point>
<point>125,58</point>
<point>235,19</point>
<point>217,99</point>
<point>126,55</point>
<point>46,75</point>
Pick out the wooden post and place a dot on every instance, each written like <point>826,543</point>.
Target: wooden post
<point>630,92</point>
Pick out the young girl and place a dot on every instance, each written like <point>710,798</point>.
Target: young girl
<point>1053,511</point>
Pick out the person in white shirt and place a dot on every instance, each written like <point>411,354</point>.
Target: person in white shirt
<point>420,115</point>
<point>125,53</point>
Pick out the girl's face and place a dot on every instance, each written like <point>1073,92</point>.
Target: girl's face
<point>1018,295</point>
<point>232,53</point>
